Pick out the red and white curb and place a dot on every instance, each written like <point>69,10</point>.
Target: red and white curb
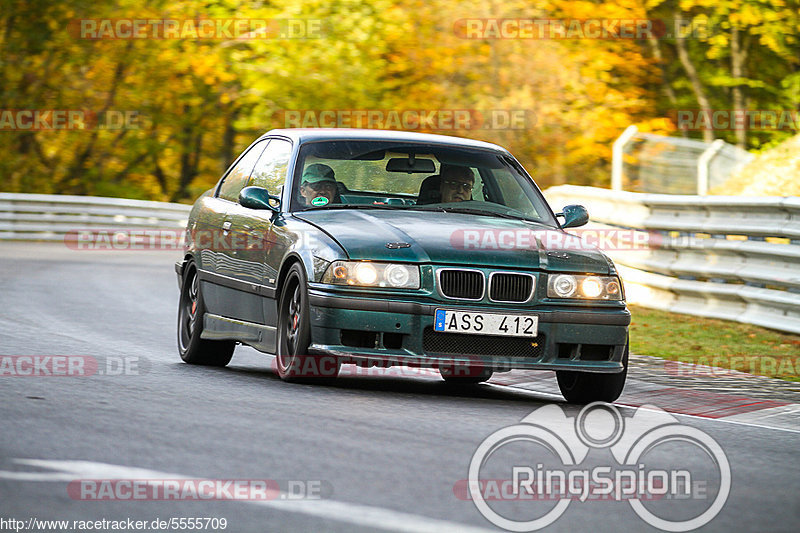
<point>725,406</point>
<point>690,396</point>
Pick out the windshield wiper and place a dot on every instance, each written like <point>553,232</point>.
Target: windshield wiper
<point>471,211</point>
<point>356,206</point>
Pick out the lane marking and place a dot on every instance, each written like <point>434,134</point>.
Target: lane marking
<point>352,513</point>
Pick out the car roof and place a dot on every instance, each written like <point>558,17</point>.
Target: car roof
<point>304,135</point>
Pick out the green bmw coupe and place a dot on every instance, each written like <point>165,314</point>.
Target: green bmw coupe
<point>331,247</point>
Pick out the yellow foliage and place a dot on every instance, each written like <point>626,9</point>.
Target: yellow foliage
<point>577,94</point>
<point>774,172</point>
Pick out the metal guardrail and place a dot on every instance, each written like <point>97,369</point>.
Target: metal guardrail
<point>51,217</point>
<point>730,257</point>
<point>735,258</point>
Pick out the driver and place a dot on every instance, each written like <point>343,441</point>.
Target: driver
<point>456,183</point>
<point>318,185</point>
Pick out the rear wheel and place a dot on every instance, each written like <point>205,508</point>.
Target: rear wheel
<point>293,362</point>
<point>191,310</point>
<point>586,387</point>
<point>465,374</point>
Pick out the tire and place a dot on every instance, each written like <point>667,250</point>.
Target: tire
<point>292,360</point>
<point>465,374</point>
<point>587,387</point>
<point>191,310</point>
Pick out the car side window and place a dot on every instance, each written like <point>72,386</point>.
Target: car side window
<point>270,170</point>
<point>237,178</point>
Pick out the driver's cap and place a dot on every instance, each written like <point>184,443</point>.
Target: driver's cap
<point>317,173</point>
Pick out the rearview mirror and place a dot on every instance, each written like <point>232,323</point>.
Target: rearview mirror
<point>574,216</point>
<point>410,165</point>
<point>258,198</point>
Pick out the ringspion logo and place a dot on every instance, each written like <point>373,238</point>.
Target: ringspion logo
<point>543,459</point>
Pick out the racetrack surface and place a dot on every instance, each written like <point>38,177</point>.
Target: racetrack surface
<point>388,449</point>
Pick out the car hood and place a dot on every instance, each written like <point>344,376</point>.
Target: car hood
<point>455,239</point>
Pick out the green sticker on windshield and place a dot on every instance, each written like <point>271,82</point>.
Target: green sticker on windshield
<point>319,200</point>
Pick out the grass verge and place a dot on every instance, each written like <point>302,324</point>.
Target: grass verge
<point>716,343</point>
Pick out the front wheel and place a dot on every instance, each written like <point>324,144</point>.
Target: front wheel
<point>293,362</point>
<point>192,348</point>
<point>586,387</point>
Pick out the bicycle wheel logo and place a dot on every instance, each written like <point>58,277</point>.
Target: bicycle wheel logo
<point>632,442</point>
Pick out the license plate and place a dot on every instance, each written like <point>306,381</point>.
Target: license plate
<point>478,323</point>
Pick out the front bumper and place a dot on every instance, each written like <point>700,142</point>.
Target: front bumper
<point>179,272</point>
<point>391,331</point>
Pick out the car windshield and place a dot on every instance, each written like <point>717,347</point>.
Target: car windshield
<point>415,176</point>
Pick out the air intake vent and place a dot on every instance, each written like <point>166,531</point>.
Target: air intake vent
<point>490,345</point>
<point>510,287</point>
<point>461,284</point>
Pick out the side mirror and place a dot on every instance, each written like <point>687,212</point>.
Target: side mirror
<point>574,216</point>
<point>258,198</point>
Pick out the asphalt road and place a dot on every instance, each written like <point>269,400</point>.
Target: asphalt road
<point>385,451</point>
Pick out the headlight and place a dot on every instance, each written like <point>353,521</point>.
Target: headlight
<point>589,287</point>
<point>369,274</point>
